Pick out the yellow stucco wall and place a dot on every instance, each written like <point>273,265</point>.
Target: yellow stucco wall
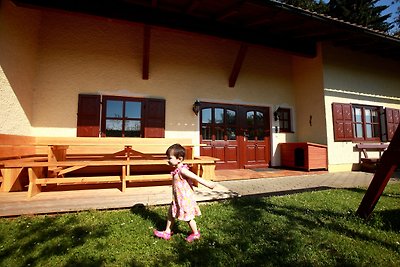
<point>47,58</point>
<point>310,118</point>
<point>91,55</point>
<point>367,80</point>
<point>18,35</point>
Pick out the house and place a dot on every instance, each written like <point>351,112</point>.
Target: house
<point>240,76</point>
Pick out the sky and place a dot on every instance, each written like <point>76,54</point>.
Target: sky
<point>392,9</point>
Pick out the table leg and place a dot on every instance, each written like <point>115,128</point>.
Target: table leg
<point>208,171</point>
<point>34,188</point>
<point>123,178</point>
<point>11,179</point>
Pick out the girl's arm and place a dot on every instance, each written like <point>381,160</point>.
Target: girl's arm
<point>187,173</point>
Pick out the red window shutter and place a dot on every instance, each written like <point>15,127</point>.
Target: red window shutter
<point>392,121</point>
<point>88,122</point>
<point>154,118</point>
<point>342,121</point>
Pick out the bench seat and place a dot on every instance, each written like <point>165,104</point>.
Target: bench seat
<point>367,162</point>
<point>202,166</point>
<point>42,161</point>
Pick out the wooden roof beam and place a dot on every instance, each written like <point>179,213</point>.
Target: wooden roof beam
<point>192,6</point>
<point>238,65</point>
<point>230,11</point>
<point>146,52</point>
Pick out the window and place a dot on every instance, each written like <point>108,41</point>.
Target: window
<point>354,122</point>
<point>218,123</point>
<point>123,117</point>
<point>255,125</point>
<point>366,124</point>
<point>283,116</point>
<point>120,116</point>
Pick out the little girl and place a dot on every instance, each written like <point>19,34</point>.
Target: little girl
<point>183,206</point>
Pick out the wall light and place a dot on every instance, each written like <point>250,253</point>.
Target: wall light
<point>276,115</point>
<point>196,107</point>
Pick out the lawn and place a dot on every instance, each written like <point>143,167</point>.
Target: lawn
<point>316,228</point>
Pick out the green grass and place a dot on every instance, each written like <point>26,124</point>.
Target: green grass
<point>316,228</point>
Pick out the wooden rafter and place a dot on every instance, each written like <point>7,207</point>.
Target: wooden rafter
<point>146,52</point>
<point>238,64</point>
<point>192,6</point>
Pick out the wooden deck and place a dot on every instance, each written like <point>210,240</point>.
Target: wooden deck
<point>59,200</point>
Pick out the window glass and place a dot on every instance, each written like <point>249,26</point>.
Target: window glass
<point>114,109</point>
<point>357,115</point>
<point>206,115</point>
<point>368,118</point>
<point>114,128</point>
<point>219,133</point>
<point>259,118</point>
<point>250,118</point>
<point>284,119</point>
<point>358,131</point>
<point>251,134</point>
<point>122,117</point>
<point>132,129</point>
<point>376,130</point>
<point>231,133</point>
<point>219,115</point>
<point>285,125</point>
<point>231,116</point>
<point>133,110</point>
<point>375,116</point>
<point>206,132</point>
<point>260,134</point>
<point>368,128</point>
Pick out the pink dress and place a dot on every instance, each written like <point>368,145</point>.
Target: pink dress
<point>184,206</point>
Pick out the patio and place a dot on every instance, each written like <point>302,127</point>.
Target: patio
<point>69,199</point>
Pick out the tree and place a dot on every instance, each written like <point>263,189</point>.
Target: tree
<point>362,12</point>
<point>313,5</point>
<point>397,21</point>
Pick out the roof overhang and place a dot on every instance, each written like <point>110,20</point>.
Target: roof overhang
<point>264,22</point>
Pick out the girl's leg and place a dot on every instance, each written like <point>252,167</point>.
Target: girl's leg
<point>166,234</point>
<point>195,233</point>
<point>170,222</point>
<point>193,226</point>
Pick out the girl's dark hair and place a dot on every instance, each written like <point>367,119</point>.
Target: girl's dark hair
<point>176,150</point>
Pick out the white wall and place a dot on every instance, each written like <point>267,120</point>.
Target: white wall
<point>366,80</point>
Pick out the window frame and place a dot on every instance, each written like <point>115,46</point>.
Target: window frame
<point>281,119</point>
<point>345,122</point>
<point>213,126</point>
<point>365,124</point>
<point>124,100</point>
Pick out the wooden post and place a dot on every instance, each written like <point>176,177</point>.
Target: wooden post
<point>388,163</point>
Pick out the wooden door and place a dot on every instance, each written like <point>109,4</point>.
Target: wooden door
<point>219,132</point>
<point>225,129</point>
<point>254,137</point>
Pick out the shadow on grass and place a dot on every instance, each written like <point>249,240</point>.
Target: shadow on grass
<point>52,236</point>
<point>157,220</point>
<point>260,232</point>
<point>289,192</point>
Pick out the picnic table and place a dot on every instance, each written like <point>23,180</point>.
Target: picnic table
<point>57,160</point>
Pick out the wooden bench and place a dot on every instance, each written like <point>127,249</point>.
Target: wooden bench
<point>62,161</point>
<point>367,162</point>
